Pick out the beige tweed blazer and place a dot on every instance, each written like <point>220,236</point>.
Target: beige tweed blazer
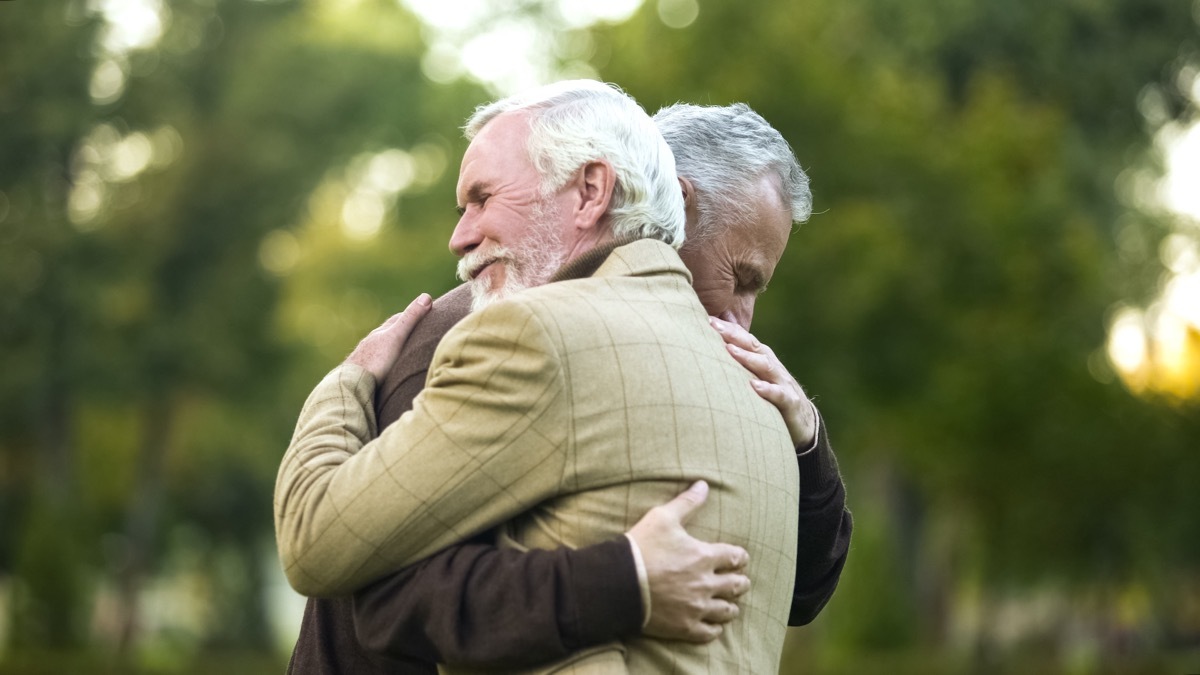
<point>557,417</point>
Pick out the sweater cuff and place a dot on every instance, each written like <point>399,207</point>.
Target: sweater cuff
<point>609,593</point>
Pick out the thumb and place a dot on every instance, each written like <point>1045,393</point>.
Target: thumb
<point>405,321</point>
<point>688,502</point>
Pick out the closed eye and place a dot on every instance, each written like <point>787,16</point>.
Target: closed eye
<point>477,195</point>
<point>750,281</point>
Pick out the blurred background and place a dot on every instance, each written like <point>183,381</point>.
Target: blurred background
<point>204,204</point>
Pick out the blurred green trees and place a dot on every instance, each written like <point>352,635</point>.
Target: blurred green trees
<point>947,304</point>
<point>195,225</point>
<point>145,362</point>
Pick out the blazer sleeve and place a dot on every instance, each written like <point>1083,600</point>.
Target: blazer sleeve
<point>825,527</point>
<point>485,441</point>
<point>478,605</point>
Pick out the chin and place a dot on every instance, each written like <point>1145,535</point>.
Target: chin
<point>483,294</point>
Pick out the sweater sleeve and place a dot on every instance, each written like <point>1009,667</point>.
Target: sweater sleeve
<point>825,527</point>
<point>478,605</point>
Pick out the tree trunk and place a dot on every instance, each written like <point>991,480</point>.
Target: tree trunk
<point>141,523</point>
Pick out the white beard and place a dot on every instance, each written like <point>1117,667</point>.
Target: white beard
<point>531,262</point>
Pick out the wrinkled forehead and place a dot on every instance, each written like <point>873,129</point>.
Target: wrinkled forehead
<point>497,154</point>
<point>507,133</point>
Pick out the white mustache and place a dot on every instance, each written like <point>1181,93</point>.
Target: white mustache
<point>472,263</point>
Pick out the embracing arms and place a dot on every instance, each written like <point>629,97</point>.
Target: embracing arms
<point>825,522</point>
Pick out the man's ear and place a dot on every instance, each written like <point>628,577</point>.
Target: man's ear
<point>689,192</point>
<point>596,182</point>
<point>690,212</point>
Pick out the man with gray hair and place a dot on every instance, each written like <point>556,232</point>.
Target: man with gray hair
<point>499,282</point>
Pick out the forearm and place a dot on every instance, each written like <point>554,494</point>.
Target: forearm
<point>349,511</point>
<point>825,528</point>
<point>333,426</point>
<point>485,441</point>
<point>476,604</point>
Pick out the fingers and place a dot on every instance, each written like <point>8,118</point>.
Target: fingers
<point>731,586</point>
<point>715,613</point>
<point>760,365</point>
<point>725,557</point>
<point>735,334</point>
<point>687,503</point>
<point>416,310</point>
<point>378,351</point>
<point>752,354</point>
<point>702,633</point>
<point>721,611</point>
<point>774,393</point>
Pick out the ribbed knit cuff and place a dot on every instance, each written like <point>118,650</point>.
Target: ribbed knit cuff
<point>605,581</point>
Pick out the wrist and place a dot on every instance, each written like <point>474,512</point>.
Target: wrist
<point>643,577</point>
<point>802,426</point>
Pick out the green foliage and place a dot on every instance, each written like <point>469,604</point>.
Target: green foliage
<point>143,341</point>
<point>49,602</point>
<point>946,304</point>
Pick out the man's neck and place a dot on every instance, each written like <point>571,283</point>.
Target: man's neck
<point>586,263</point>
<point>596,237</point>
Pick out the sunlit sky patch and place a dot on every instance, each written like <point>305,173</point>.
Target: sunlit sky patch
<point>1157,349</point>
<point>129,24</point>
<point>505,49</point>
<point>1181,185</point>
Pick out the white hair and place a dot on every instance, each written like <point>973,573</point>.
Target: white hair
<point>725,151</point>
<point>574,122</point>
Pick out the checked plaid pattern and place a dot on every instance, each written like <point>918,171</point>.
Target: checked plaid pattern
<point>557,418</point>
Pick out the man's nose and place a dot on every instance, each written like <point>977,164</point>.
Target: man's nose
<point>465,238</point>
<point>741,311</point>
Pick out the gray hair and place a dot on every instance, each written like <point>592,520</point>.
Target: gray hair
<point>577,121</point>
<point>725,151</point>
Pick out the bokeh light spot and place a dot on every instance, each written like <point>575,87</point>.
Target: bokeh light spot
<point>1181,185</point>
<point>108,82</point>
<point>130,156</point>
<point>362,215</point>
<point>1127,342</point>
<point>678,13</point>
<point>279,252</point>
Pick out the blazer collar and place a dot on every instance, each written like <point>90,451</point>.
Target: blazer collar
<point>627,257</point>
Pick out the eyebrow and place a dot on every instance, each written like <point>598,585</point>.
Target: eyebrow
<point>476,192</point>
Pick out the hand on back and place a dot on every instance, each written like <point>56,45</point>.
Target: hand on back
<point>694,585</point>
<point>379,349</point>
<point>771,380</point>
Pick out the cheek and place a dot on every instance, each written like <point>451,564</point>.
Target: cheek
<point>501,222</point>
<point>715,299</point>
